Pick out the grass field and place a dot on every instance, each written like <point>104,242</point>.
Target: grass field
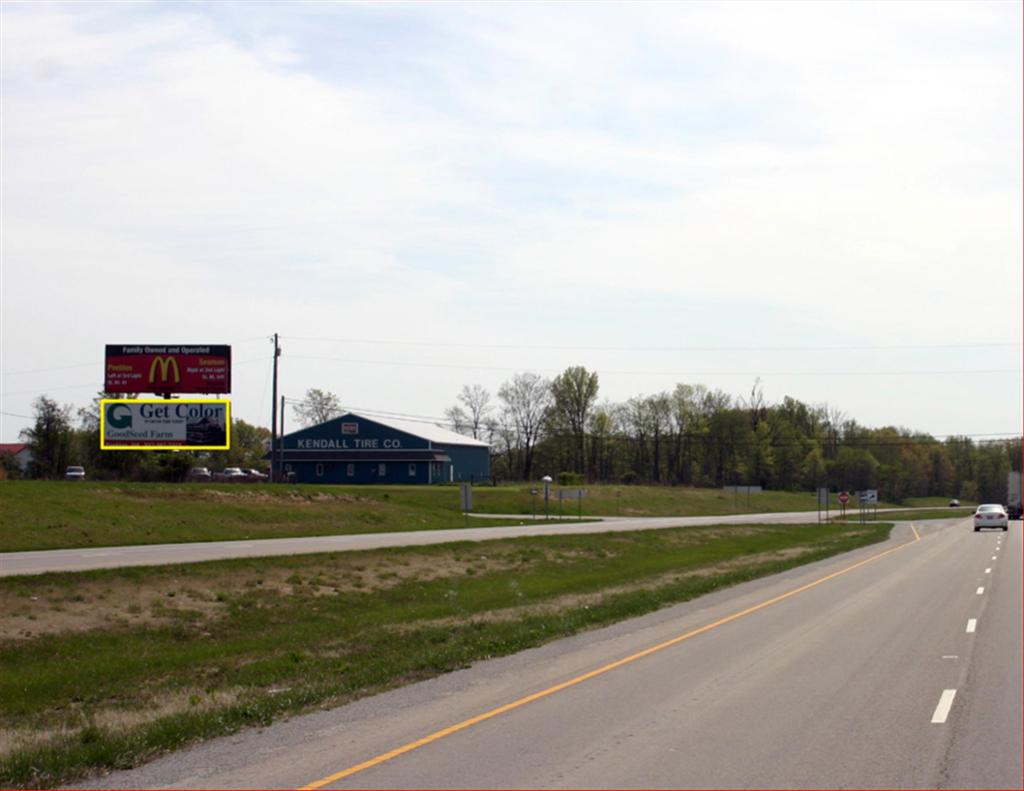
<point>36,515</point>
<point>109,668</point>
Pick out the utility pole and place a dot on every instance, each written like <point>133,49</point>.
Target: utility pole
<point>284,475</point>
<point>273,417</point>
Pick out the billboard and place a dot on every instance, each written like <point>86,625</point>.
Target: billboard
<point>161,424</point>
<point>167,369</point>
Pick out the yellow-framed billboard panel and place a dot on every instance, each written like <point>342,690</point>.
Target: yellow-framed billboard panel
<point>165,424</point>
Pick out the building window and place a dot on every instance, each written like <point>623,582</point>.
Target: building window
<point>350,470</point>
<point>382,470</point>
<point>319,471</point>
<point>412,470</point>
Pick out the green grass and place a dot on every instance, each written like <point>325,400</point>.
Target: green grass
<point>925,513</point>
<point>37,515</point>
<point>106,669</point>
<point>935,502</point>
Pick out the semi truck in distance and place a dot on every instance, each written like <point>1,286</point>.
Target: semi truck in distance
<point>1013,504</point>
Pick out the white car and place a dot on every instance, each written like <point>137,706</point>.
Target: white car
<point>991,515</point>
<point>230,474</point>
<point>75,473</point>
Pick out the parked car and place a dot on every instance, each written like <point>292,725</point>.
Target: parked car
<point>954,503</point>
<point>254,475</point>
<point>990,515</point>
<point>230,475</point>
<point>74,473</point>
<point>199,474</point>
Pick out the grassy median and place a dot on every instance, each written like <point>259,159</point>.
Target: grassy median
<point>107,669</point>
<point>37,515</point>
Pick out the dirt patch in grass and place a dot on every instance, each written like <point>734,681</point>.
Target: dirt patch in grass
<point>200,600</point>
<point>119,719</point>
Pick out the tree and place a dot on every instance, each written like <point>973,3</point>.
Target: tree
<point>527,399</point>
<point>317,407</point>
<point>574,392</point>
<point>687,425</point>
<point>473,419</point>
<point>50,439</point>
<point>249,444</point>
<point>813,468</point>
<point>120,464</point>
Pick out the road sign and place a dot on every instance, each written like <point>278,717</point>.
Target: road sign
<point>844,498</point>
<point>466,496</point>
<point>869,497</point>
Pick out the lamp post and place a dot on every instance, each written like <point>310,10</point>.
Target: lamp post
<point>547,490</point>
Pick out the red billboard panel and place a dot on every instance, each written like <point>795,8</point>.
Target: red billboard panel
<point>167,369</point>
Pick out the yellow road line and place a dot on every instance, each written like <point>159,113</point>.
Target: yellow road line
<point>461,726</point>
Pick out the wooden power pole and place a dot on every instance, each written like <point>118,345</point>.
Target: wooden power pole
<point>273,418</point>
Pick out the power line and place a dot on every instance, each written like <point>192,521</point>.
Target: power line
<point>100,363</point>
<point>543,347</point>
<point>56,368</point>
<point>349,360</point>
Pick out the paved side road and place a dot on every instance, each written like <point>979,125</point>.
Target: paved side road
<point>894,666</point>
<point>37,562</point>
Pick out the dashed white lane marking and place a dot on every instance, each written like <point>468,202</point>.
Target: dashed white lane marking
<point>945,704</point>
<point>988,571</point>
<point>981,591</point>
<point>972,624</point>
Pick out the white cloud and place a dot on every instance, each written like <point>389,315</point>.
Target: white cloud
<point>853,167</point>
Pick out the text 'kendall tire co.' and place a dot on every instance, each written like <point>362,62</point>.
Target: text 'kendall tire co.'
<point>166,423</point>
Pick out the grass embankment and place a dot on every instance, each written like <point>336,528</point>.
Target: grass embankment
<point>36,515</point>
<point>109,668</point>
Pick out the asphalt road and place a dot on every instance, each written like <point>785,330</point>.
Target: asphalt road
<point>895,666</point>
<point>37,562</point>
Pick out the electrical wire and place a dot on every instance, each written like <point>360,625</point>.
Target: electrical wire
<point>542,347</point>
<point>449,366</point>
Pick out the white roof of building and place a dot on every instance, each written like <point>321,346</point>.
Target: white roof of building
<point>429,431</point>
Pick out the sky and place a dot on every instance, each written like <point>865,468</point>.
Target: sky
<point>822,198</point>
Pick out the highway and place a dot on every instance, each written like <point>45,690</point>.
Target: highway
<point>894,666</point>
<point>84,559</point>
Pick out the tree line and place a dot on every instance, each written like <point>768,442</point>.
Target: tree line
<point>689,436</point>
<point>61,436</point>
<point>696,436</point>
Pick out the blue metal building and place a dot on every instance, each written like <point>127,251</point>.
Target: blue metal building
<point>357,449</point>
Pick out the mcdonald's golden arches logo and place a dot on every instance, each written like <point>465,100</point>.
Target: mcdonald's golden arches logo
<point>166,365</point>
